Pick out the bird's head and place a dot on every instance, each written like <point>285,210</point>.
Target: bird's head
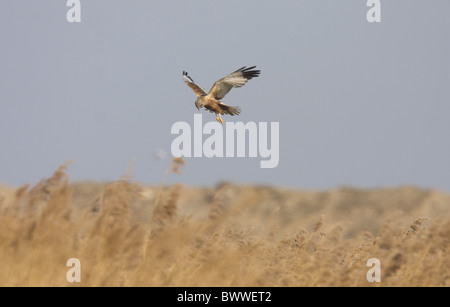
<point>199,104</point>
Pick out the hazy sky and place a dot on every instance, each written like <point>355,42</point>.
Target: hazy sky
<point>358,103</point>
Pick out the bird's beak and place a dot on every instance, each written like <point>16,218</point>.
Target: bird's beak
<point>198,108</point>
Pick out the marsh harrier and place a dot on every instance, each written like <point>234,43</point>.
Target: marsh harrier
<point>220,88</point>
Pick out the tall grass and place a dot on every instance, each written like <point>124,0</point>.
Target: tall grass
<point>127,234</point>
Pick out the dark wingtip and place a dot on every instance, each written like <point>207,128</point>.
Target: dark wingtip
<point>240,69</point>
<point>187,76</point>
<point>249,74</point>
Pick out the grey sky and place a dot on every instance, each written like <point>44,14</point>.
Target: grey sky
<point>358,103</point>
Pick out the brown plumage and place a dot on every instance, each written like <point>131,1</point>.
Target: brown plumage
<point>221,87</point>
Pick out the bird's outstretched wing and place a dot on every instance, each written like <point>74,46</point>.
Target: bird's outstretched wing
<point>235,79</point>
<point>197,89</point>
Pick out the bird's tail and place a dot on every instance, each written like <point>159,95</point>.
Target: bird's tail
<point>229,110</point>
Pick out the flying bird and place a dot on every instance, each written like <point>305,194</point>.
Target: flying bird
<point>211,101</point>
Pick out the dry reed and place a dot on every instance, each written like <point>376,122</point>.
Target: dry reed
<point>126,234</point>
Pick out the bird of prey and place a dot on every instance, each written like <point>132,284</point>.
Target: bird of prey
<point>211,100</point>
